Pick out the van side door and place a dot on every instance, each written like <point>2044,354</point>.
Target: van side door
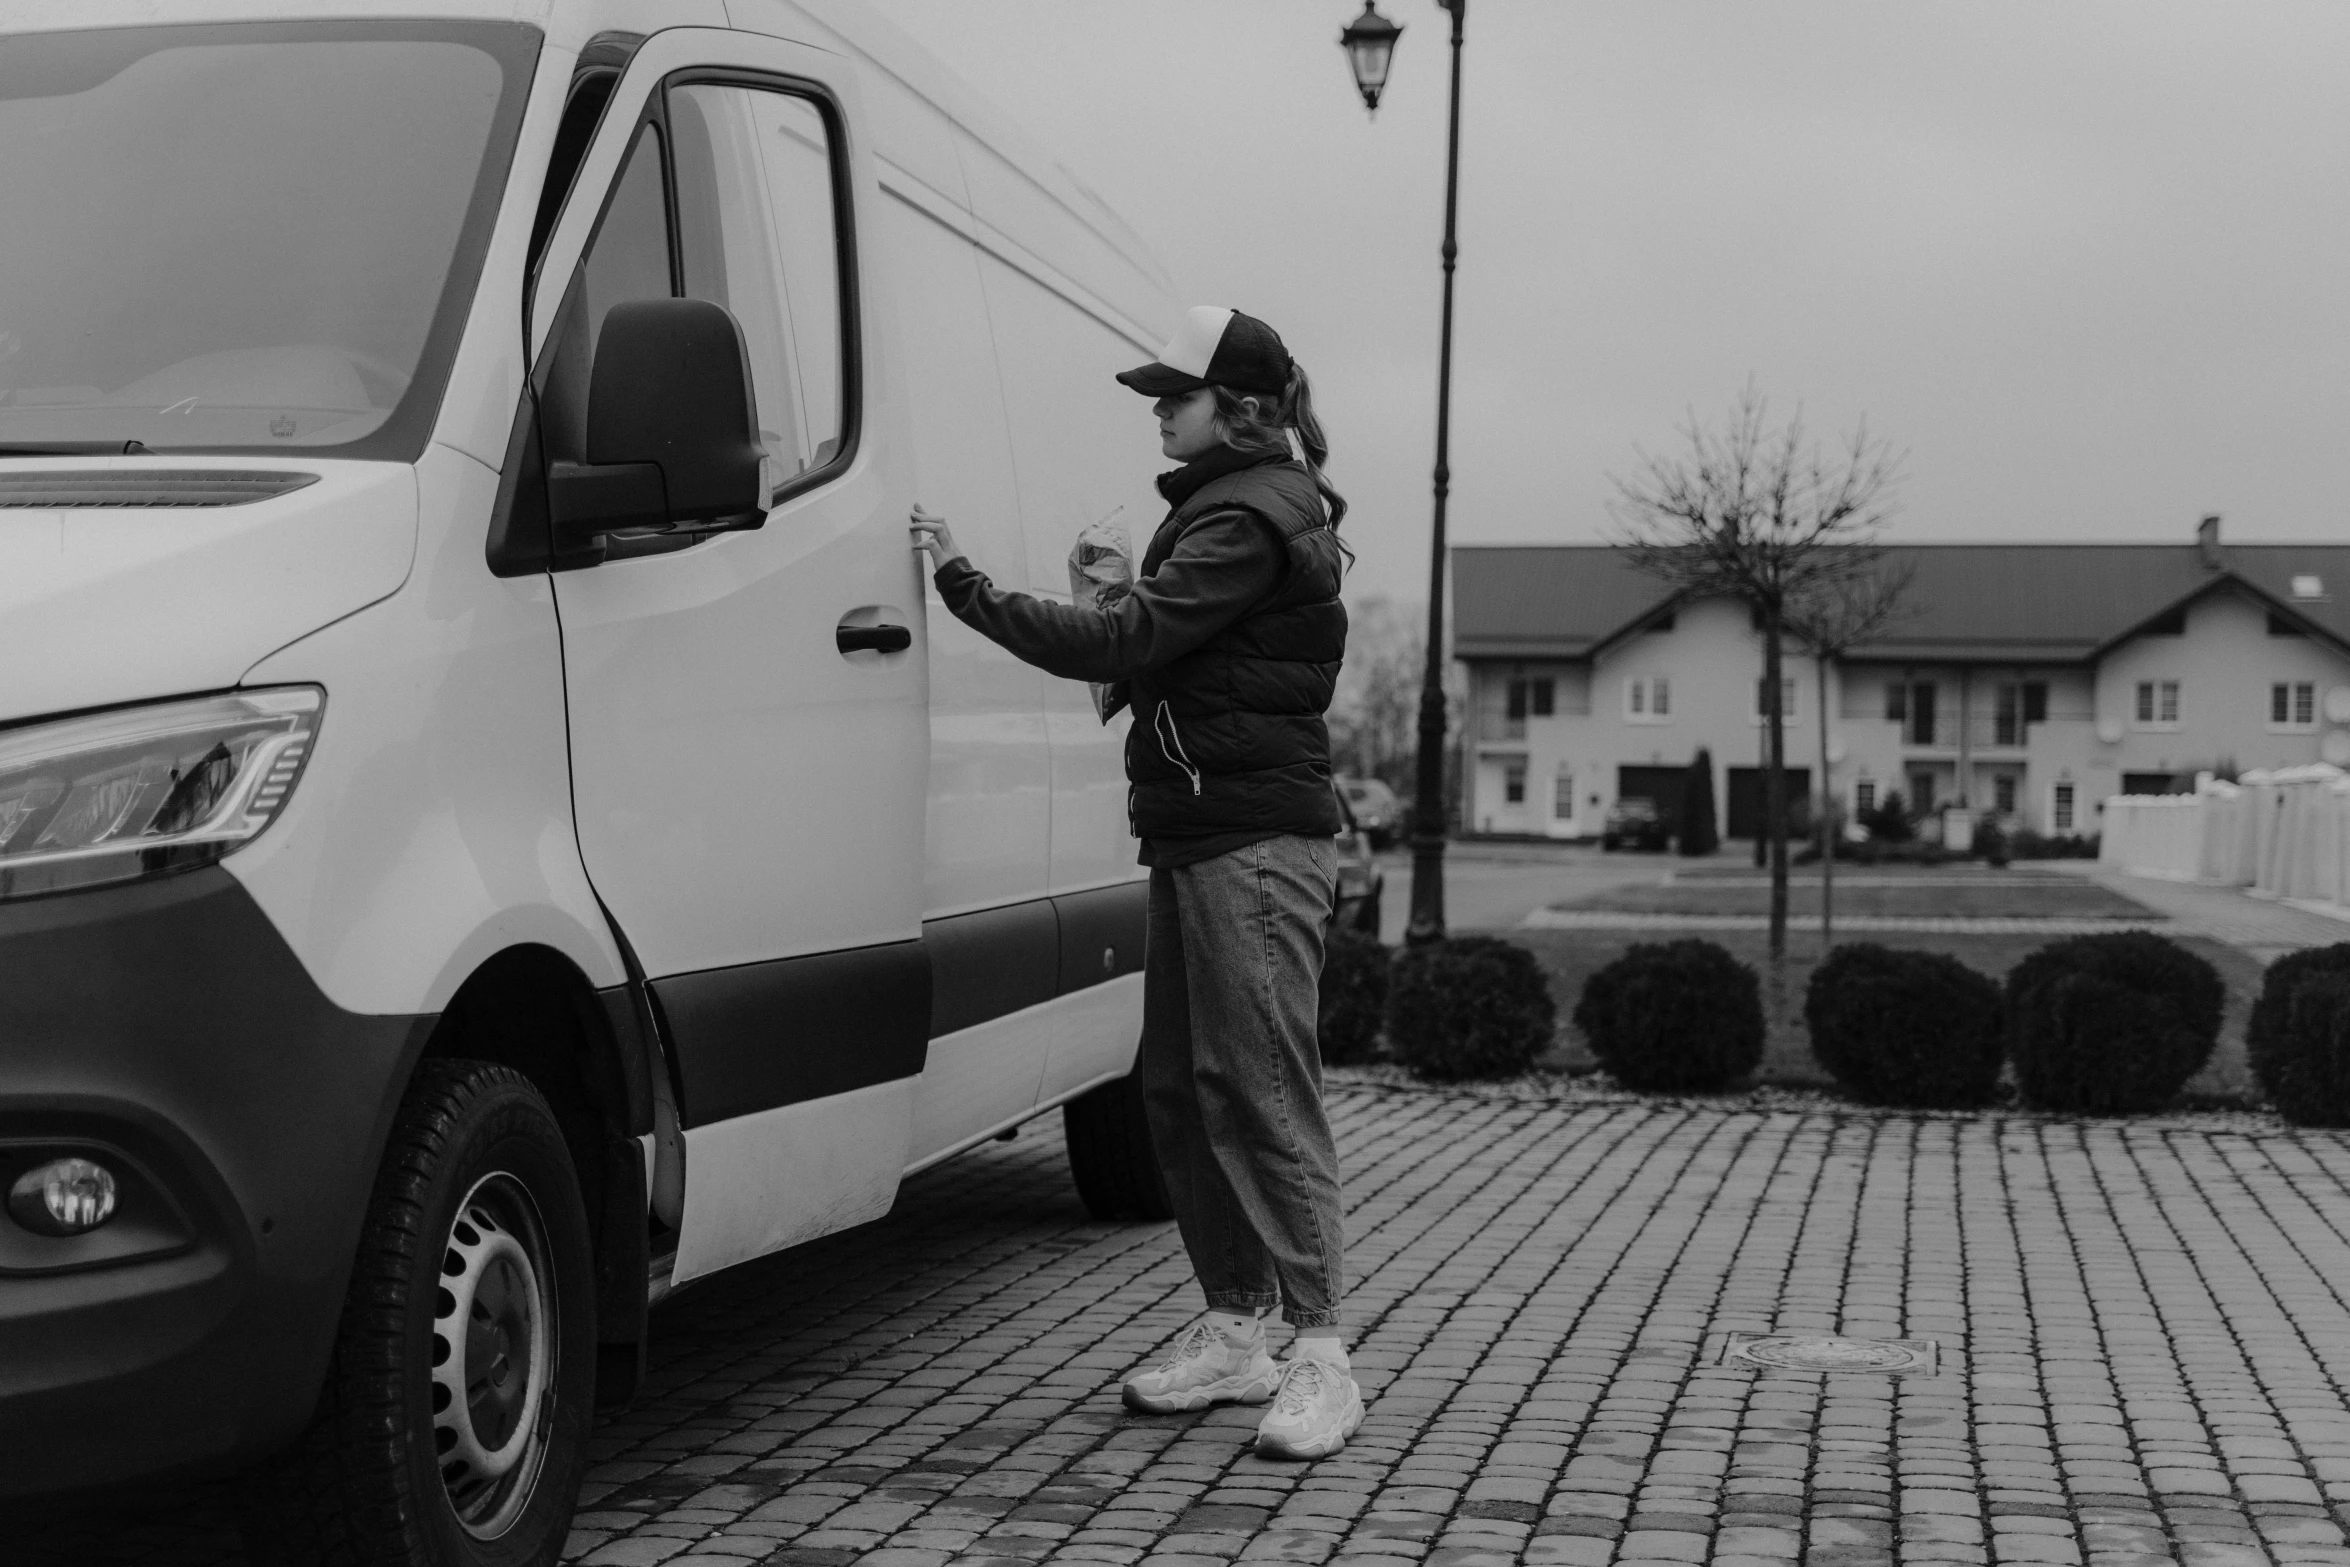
<point>749,721</point>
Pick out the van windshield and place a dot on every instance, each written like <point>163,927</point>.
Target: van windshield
<point>245,238</point>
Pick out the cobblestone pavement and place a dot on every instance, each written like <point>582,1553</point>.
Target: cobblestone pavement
<point>2144,1334</point>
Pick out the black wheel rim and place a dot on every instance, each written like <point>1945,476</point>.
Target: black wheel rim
<point>493,1355</point>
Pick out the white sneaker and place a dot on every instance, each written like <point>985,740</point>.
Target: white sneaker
<point>1315,1410</point>
<point>1206,1368</point>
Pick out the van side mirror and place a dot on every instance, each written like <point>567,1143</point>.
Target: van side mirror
<point>672,429</point>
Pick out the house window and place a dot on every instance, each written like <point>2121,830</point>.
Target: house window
<point>2292,704</point>
<point>1864,796</point>
<point>2015,708</point>
<point>2158,704</point>
<point>1537,697</point>
<point>1562,795</point>
<point>1910,703</point>
<point>2003,794</point>
<point>1513,783</point>
<point>1762,691</point>
<point>2060,807</point>
<point>1648,699</point>
<point>1921,794</point>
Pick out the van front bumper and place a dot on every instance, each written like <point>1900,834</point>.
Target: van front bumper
<point>166,1029</point>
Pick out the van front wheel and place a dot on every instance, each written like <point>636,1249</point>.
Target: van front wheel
<point>1110,1154</point>
<point>452,1430</point>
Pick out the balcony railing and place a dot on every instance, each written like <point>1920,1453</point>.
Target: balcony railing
<point>1984,732</point>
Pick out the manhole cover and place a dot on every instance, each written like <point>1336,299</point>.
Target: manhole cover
<point>1820,1352</point>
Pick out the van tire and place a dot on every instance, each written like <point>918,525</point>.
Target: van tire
<point>1110,1154</point>
<point>477,1212</point>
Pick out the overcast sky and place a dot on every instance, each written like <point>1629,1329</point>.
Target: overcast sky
<point>2086,263</point>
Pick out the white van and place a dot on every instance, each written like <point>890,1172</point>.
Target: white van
<point>493,825</point>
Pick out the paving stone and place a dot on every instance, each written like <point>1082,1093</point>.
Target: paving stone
<point>636,1551</point>
<point>2131,1316</point>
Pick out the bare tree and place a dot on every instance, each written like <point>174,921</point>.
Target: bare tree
<point>1830,620</point>
<point>1759,513</point>
<point>1374,714</point>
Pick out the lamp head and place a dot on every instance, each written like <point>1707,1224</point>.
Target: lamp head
<point>1369,41</point>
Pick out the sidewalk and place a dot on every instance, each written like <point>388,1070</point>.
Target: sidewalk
<point>2263,927</point>
<point>2142,1332</point>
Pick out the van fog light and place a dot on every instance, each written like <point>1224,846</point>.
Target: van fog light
<point>63,1197</point>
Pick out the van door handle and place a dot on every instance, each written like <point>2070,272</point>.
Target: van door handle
<point>872,639</point>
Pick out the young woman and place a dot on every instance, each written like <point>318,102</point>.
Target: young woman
<point>1226,648</point>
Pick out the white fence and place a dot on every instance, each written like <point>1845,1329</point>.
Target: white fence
<point>2285,834</point>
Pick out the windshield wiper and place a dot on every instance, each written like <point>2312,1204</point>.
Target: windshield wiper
<point>75,449</point>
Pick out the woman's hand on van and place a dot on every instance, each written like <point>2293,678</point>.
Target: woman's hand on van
<point>931,534</point>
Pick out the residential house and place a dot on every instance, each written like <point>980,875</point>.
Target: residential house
<point>2026,680</point>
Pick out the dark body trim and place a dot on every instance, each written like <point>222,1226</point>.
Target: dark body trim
<point>1101,933</point>
<point>992,963</point>
<point>760,1036</point>
<point>997,961</point>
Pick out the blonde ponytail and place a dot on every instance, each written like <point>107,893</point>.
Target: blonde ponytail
<point>1242,421</point>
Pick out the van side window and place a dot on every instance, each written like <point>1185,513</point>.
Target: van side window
<point>628,259</point>
<point>756,233</point>
<point>630,256</point>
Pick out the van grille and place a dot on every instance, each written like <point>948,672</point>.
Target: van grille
<point>157,487</point>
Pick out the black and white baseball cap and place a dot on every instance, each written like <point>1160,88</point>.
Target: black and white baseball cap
<point>1215,347</point>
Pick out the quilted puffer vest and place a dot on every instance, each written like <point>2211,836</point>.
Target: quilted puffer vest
<point>1230,736</point>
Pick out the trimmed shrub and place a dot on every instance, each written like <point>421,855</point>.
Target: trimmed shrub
<point>1469,1006</point>
<point>1697,831</point>
<point>2264,1030</point>
<point>2137,960</point>
<point>1991,843</point>
<point>1872,851</point>
<point>1888,820</point>
<point>1897,1027</point>
<point>1354,997</point>
<point>1674,1017</point>
<point>2025,844</point>
<point>2308,1077</point>
<point>2111,1024</point>
<point>2298,1034</point>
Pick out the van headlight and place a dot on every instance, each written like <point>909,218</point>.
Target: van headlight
<point>145,791</point>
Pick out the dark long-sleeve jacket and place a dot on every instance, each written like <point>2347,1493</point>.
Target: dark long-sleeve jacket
<point>1227,646</point>
<point>1219,570</point>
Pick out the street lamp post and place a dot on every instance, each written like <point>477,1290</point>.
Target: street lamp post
<point>1370,43</point>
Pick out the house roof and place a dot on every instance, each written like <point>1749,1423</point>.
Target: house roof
<point>1992,603</point>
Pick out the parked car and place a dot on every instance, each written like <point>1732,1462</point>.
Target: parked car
<point>1376,810</point>
<point>1362,881</point>
<point>494,826</point>
<point>1635,823</point>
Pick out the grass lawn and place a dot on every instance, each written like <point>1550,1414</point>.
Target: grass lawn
<point>1920,896</point>
<point>1572,956</point>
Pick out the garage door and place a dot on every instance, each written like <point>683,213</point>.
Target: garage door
<point>1661,784</point>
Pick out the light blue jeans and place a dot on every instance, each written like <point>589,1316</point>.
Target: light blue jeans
<point>1231,1074</point>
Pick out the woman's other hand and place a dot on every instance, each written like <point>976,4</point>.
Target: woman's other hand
<point>933,537</point>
